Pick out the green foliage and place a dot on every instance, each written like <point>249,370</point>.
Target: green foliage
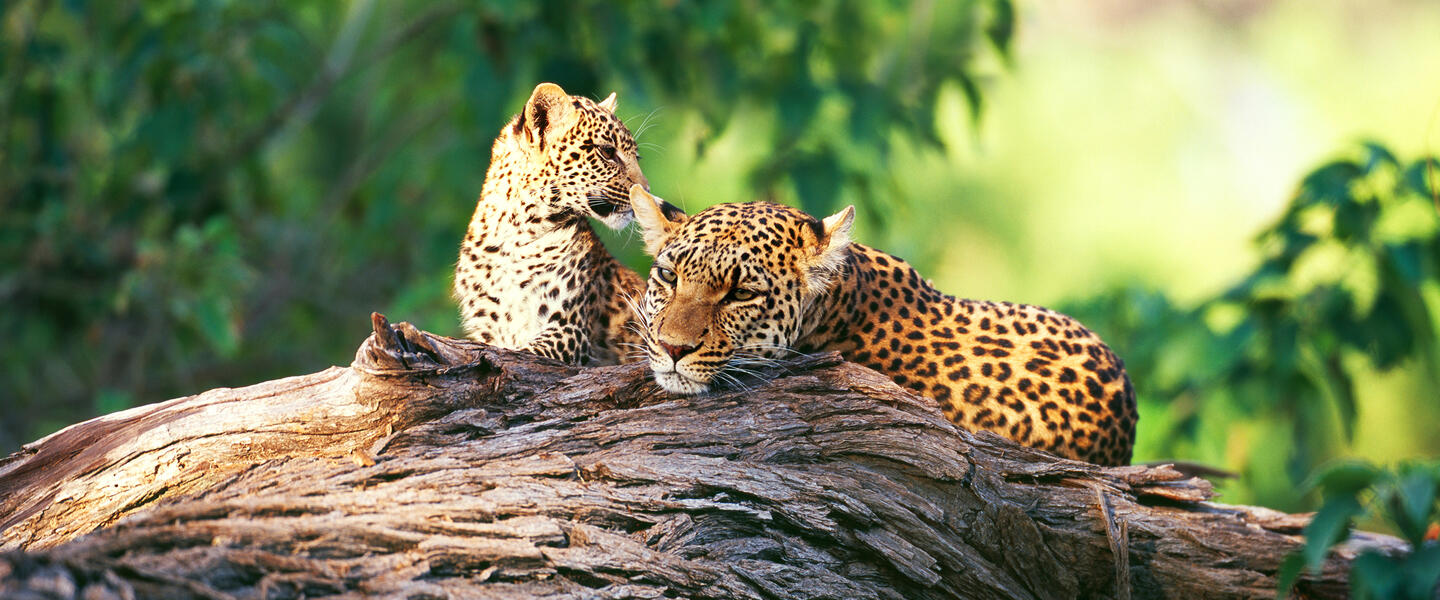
<point>1405,498</point>
<point>1349,278</point>
<point>196,193</point>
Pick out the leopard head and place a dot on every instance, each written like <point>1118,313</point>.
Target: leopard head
<point>573,156</point>
<point>730,284</point>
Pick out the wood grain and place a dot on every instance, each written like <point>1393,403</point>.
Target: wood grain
<point>435,468</point>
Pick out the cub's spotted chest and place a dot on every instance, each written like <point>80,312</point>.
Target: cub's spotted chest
<point>740,284</point>
<point>532,274</point>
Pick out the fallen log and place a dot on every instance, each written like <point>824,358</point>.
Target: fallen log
<point>435,467</point>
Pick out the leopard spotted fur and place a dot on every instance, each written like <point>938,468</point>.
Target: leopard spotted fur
<point>738,285</point>
<point>532,273</point>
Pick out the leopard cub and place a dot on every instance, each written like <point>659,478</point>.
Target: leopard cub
<point>532,274</point>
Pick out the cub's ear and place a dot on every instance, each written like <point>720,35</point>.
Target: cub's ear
<point>609,103</point>
<point>549,114</point>
<point>828,252</point>
<point>658,219</point>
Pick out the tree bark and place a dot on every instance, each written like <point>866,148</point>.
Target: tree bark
<point>434,467</point>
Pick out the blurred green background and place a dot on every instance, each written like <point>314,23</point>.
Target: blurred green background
<point>205,193</point>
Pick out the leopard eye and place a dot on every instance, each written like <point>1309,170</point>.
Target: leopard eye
<point>608,152</point>
<point>665,275</point>
<point>741,295</point>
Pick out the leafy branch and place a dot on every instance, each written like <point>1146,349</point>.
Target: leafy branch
<point>1349,278</point>
<point>1405,498</point>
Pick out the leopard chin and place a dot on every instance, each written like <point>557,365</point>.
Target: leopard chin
<point>675,383</point>
<point>617,218</point>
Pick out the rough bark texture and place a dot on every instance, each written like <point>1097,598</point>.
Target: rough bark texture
<point>435,467</point>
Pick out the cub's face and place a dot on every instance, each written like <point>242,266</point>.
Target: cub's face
<point>729,285</point>
<point>584,159</point>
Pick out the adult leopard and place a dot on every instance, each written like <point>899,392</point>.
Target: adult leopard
<point>740,284</point>
<point>532,274</point>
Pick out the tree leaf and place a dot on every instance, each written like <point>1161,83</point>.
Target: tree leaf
<point>1375,576</point>
<point>1422,569</point>
<point>1288,574</point>
<point>972,97</point>
<point>1001,28</point>
<point>1413,502</point>
<point>1423,177</point>
<point>1406,258</point>
<point>1330,184</point>
<point>1331,524</point>
<point>1345,477</point>
<point>1377,155</point>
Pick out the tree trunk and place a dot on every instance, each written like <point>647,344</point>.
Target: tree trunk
<point>435,467</point>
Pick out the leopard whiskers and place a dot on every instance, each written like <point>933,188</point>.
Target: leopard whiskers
<point>731,370</point>
<point>756,354</point>
<point>640,325</point>
<point>645,123</point>
<point>758,358</point>
<point>744,365</point>
<point>632,347</point>
<point>589,193</point>
<point>641,322</point>
<point>755,366</point>
<point>632,352</point>
<point>631,237</point>
<point>731,381</point>
<point>765,346</point>
<point>757,361</point>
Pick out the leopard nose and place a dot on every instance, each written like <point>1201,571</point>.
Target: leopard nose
<point>676,352</point>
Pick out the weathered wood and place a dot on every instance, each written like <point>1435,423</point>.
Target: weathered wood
<point>435,467</point>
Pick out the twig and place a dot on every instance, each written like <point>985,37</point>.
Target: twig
<point>1118,534</point>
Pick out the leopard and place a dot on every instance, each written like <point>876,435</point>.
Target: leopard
<point>532,273</point>
<point>741,285</point>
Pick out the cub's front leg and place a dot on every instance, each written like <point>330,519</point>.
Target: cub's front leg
<point>563,343</point>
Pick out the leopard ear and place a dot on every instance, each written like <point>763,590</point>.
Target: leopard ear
<point>549,114</point>
<point>831,246</point>
<point>837,228</point>
<point>659,220</point>
<point>609,103</point>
